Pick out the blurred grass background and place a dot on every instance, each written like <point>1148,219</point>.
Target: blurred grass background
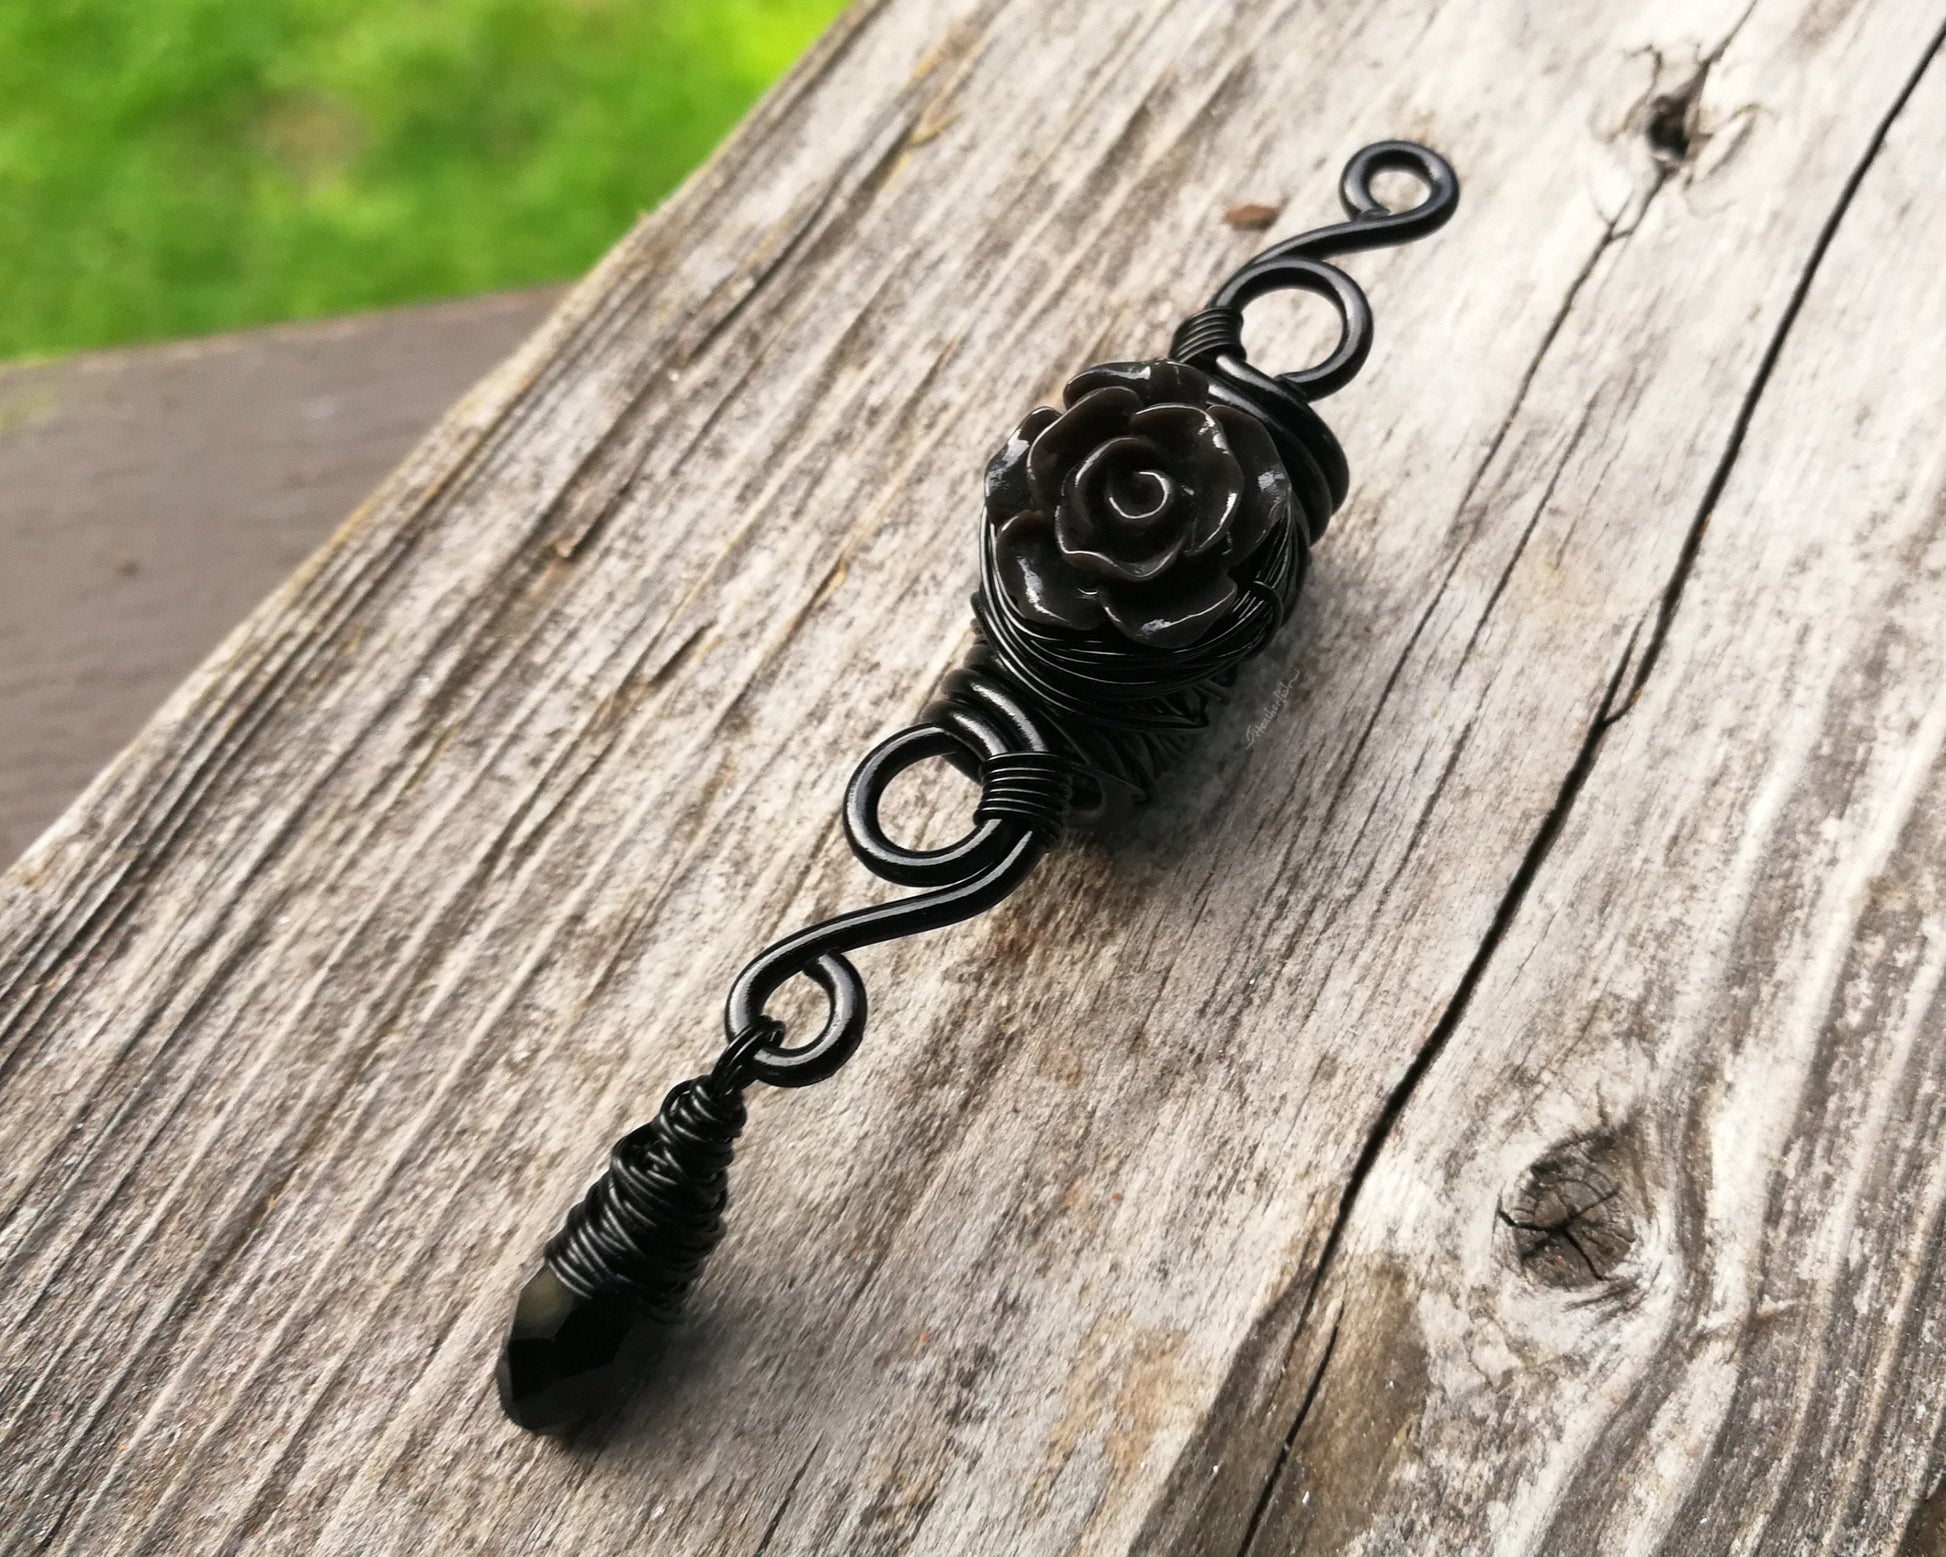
<point>172,167</point>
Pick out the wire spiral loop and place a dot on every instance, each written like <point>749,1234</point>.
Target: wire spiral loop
<point>988,731</point>
<point>1212,339</point>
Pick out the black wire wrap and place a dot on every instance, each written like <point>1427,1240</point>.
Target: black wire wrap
<point>646,1226</point>
<point>1107,713</point>
<point>1030,786</point>
<point>1125,712</point>
<point>1054,725</point>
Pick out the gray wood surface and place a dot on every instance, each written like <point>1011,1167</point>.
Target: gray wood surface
<point>1489,1104</point>
<point>150,497</point>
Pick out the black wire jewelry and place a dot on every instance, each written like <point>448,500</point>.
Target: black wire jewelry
<point>1139,546</point>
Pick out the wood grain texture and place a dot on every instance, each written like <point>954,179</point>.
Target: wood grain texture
<point>150,497</point>
<point>1485,1106</point>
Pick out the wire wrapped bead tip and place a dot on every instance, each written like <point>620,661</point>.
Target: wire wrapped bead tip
<point>1140,544</point>
<point>591,1321</point>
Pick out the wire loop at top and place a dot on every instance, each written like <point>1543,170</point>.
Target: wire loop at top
<point>1301,264</point>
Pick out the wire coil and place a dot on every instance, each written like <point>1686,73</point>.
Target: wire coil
<point>1031,787</point>
<point>646,1226</point>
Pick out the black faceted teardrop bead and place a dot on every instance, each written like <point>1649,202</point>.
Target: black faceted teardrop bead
<point>593,1319</point>
<point>569,1359</point>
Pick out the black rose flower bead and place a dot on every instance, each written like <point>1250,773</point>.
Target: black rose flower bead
<point>1134,508</point>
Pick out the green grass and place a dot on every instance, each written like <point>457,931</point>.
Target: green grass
<point>170,167</point>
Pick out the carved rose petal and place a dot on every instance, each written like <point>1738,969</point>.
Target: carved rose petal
<point>1008,490</point>
<point>1266,501</point>
<point>1132,507</point>
<point>1198,454</point>
<point>1109,538</point>
<point>1155,383</point>
<point>1174,611</point>
<point>1040,584</point>
<point>1069,439</point>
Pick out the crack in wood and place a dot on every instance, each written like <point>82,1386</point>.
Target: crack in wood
<point>784,1503</point>
<point>1428,1052</point>
<point>1613,706</point>
<point>1290,1440</point>
<point>1774,349</point>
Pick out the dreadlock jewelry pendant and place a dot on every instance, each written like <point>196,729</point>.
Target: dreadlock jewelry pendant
<point>1138,546</point>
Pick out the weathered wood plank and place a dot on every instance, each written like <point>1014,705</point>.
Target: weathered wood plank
<point>330,993</point>
<point>150,497</point>
<point>1715,1022</point>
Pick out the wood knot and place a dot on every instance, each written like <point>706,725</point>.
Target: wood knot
<point>1568,1219</point>
<point>1671,123</point>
